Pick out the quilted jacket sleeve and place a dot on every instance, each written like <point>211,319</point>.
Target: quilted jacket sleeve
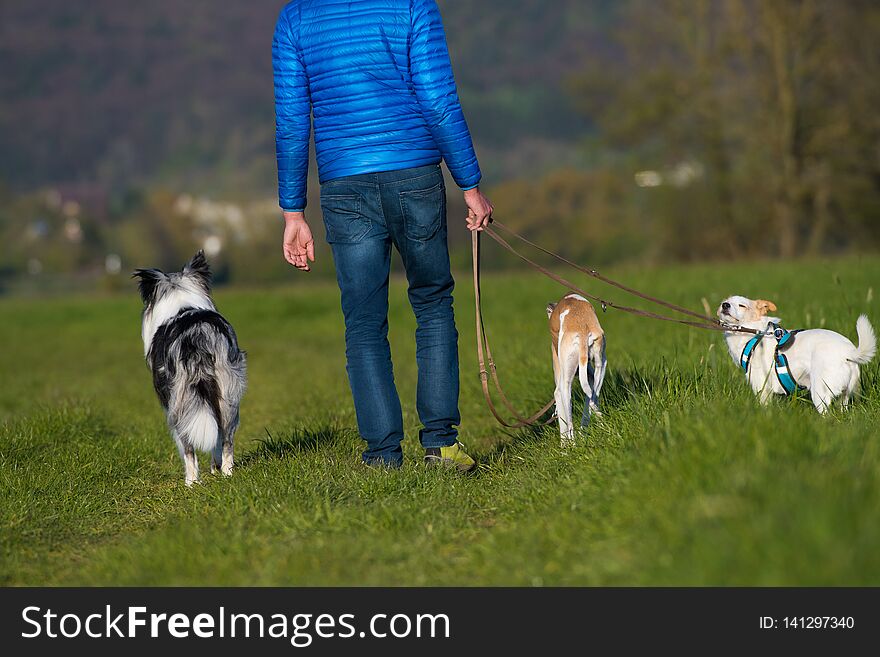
<point>292,117</point>
<point>435,89</point>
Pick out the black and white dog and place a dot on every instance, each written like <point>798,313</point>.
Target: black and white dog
<point>198,369</point>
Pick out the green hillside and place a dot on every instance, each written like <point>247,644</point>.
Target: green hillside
<point>174,88</point>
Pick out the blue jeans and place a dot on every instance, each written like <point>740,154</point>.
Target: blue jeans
<point>365,215</point>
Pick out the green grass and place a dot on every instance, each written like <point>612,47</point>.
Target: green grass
<point>685,480</point>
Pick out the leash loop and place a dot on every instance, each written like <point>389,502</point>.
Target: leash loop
<point>484,356</point>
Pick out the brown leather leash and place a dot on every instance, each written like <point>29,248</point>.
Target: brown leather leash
<point>488,369</point>
<point>595,274</point>
<point>487,363</point>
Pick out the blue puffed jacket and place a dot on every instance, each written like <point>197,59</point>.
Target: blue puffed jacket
<point>377,78</point>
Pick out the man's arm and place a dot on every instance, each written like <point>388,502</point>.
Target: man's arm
<point>435,89</point>
<point>292,118</point>
<point>292,130</point>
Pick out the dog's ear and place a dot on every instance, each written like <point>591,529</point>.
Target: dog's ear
<point>199,268</point>
<point>550,308</point>
<point>763,307</point>
<point>148,279</point>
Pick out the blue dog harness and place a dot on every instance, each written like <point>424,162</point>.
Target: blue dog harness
<point>784,339</point>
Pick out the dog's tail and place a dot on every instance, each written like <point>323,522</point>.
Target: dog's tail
<point>867,348</point>
<point>198,424</point>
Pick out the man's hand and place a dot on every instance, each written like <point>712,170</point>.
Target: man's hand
<point>299,246</point>
<point>479,209</point>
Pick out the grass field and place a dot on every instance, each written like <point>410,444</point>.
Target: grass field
<point>684,481</point>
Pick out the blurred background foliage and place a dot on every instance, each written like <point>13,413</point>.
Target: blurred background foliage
<point>648,131</point>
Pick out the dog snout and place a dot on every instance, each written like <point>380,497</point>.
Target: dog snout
<point>725,307</point>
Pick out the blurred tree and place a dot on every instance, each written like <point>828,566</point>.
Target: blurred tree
<point>579,214</point>
<point>770,98</point>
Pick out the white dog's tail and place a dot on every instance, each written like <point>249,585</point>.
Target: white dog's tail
<point>198,427</point>
<point>197,420</point>
<point>867,348</point>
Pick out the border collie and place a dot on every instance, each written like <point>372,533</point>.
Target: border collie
<point>198,370</point>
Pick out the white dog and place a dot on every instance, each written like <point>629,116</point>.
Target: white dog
<point>824,362</point>
<point>578,343</point>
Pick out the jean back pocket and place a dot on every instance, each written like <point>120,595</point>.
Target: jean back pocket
<point>423,211</point>
<point>343,220</point>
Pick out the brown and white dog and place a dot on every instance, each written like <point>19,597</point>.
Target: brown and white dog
<point>578,343</point>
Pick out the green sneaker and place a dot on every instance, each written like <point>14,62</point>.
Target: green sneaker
<point>453,456</point>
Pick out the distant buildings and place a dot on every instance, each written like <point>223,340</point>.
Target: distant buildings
<point>74,199</point>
